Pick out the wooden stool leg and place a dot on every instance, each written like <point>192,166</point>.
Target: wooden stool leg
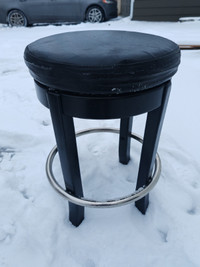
<point>67,148</point>
<point>150,144</point>
<point>125,139</point>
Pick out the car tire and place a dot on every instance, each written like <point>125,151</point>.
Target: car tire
<point>17,18</point>
<point>94,14</point>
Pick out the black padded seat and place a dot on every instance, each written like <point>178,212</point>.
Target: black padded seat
<point>102,62</point>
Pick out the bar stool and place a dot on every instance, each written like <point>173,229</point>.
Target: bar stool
<point>103,75</point>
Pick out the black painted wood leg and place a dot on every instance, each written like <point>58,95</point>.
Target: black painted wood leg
<point>67,148</point>
<point>150,144</point>
<point>125,139</point>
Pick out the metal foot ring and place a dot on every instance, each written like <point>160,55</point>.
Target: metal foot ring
<point>140,193</point>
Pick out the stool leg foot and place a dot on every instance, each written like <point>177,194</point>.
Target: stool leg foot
<point>125,139</point>
<point>67,149</point>
<point>150,144</point>
<point>76,214</point>
<point>142,204</point>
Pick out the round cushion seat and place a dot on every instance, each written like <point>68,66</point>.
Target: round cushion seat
<point>102,62</point>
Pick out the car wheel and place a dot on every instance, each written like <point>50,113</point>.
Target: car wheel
<point>17,18</point>
<point>94,14</point>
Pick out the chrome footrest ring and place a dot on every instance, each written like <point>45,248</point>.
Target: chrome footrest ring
<point>140,193</point>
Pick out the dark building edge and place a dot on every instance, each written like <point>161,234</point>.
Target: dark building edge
<point>165,10</point>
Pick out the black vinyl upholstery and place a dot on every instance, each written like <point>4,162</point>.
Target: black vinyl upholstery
<point>102,62</point>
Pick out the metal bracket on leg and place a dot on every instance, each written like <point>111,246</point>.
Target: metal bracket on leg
<point>138,194</point>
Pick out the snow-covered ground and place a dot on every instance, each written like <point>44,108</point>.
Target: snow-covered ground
<point>34,226</point>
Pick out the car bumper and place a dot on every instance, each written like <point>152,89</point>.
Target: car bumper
<point>110,10</point>
<point>3,18</point>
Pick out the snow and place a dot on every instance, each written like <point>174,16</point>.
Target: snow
<point>34,226</point>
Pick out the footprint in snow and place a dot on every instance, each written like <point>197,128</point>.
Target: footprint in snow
<point>45,123</point>
<point>5,72</point>
<point>163,235</point>
<point>9,151</point>
<point>7,232</point>
<point>6,155</point>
